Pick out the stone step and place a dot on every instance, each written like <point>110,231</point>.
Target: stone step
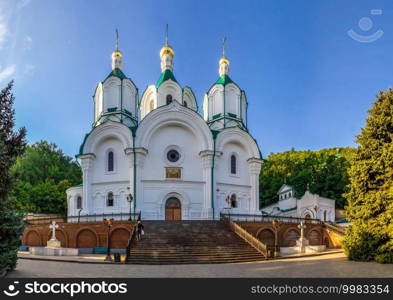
<point>191,252</point>
<point>174,249</point>
<point>197,261</point>
<point>190,242</point>
<point>193,257</point>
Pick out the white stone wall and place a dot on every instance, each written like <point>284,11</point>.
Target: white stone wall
<point>72,194</point>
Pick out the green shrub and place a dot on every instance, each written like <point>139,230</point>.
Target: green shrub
<point>370,192</point>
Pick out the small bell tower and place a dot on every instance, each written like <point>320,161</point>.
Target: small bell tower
<point>116,97</point>
<point>225,104</point>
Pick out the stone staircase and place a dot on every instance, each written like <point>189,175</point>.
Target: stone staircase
<point>190,242</point>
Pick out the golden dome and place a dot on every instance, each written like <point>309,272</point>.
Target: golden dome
<point>224,60</point>
<point>167,50</point>
<point>117,53</point>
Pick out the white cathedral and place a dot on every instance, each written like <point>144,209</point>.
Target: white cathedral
<point>157,155</point>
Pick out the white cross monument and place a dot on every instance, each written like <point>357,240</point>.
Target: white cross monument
<point>53,242</point>
<point>302,242</point>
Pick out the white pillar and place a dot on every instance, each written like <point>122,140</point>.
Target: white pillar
<point>140,156</point>
<point>254,170</point>
<point>210,180</point>
<point>207,163</point>
<point>87,166</point>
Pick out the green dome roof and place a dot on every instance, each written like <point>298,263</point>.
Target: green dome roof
<point>166,75</point>
<point>224,79</point>
<point>117,73</point>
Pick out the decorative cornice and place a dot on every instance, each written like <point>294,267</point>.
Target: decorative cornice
<point>86,156</point>
<point>255,160</point>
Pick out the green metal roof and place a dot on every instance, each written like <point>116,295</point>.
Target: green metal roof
<point>342,221</point>
<point>166,75</point>
<point>117,73</point>
<point>224,80</point>
<point>288,209</point>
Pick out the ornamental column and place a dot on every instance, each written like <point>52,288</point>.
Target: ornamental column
<point>136,158</point>
<point>207,163</point>
<point>254,165</point>
<point>87,166</point>
<point>209,166</point>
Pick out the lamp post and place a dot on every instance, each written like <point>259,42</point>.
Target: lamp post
<point>276,226</point>
<point>109,223</point>
<point>130,199</point>
<point>79,214</point>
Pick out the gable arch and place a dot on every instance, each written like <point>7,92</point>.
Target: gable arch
<point>240,137</point>
<point>178,116</point>
<point>149,95</point>
<point>108,130</point>
<point>189,99</point>
<point>168,87</point>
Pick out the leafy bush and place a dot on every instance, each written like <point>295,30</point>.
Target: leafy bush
<point>370,195</point>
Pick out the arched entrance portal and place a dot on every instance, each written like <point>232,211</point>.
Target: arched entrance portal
<point>172,209</point>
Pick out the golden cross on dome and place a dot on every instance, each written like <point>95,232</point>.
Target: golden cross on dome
<point>166,35</point>
<point>224,41</point>
<point>117,40</point>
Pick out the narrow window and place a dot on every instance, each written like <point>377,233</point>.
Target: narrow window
<point>233,201</point>
<point>109,199</point>
<point>185,104</point>
<point>110,161</point>
<point>324,216</point>
<point>79,202</point>
<point>168,99</point>
<point>233,164</point>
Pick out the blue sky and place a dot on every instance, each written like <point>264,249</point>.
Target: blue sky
<point>308,83</point>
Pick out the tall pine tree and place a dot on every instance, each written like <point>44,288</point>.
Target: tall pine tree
<point>370,196</point>
<point>12,144</point>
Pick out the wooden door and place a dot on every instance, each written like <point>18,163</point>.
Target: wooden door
<point>172,209</point>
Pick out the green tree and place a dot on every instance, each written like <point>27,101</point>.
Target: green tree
<point>42,175</point>
<point>370,195</point>
<point>324,171</point>
<point>12,144</point>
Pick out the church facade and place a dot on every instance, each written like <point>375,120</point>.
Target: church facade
<point>156,154</point>
<point>309,206</point>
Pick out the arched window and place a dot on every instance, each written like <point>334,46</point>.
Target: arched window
<point>79,202</point>
<point>109,199</point>
<point>233,164</point>
<point>185,104</point>
<point>168,99</point>
<point>111,166</point>
<point>233,201</point>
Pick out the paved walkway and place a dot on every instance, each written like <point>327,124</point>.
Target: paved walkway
<point>100,258</point>
<point>331,265</point>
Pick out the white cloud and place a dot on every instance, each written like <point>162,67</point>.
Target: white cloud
<point>7,72</point>
<point>22,3</point>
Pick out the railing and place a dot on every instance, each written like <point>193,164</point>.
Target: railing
<point>268,219</point>
<point>334,228</point>
<point>250,239</point>
<point>84,218</point>
<point>132,240</point>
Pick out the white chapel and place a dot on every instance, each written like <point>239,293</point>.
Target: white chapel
<point>309,206</point>
<point>156,154</point>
